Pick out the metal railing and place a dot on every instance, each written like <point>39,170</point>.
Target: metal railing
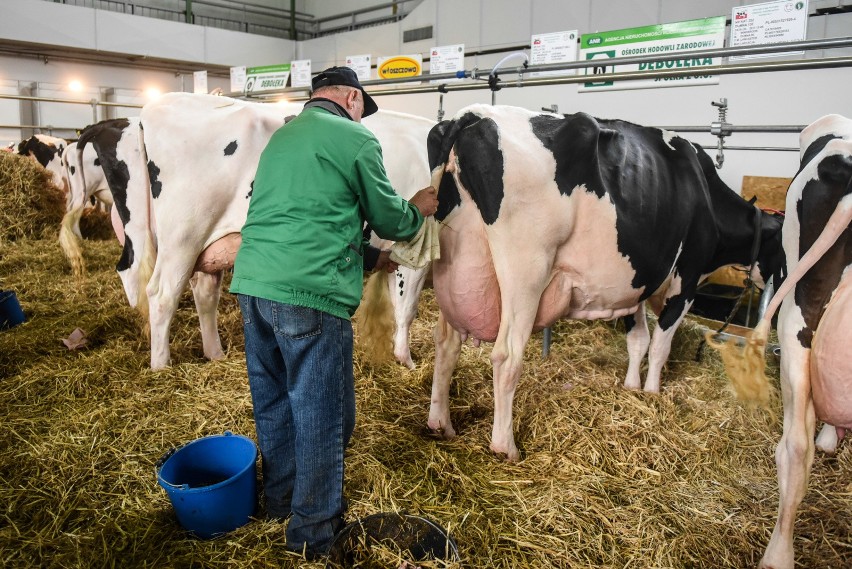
<point>476,78</point>
<point>224,15</point>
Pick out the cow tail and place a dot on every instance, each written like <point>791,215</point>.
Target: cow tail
<point>69,239</point>
<point>149,252</point>
<point>144,273</point>
<point>375,320</point>
<point>745,366</point>
<point>440,143</point>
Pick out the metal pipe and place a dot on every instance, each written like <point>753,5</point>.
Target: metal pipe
<point>70,101</point>
<point>238,5</point>
<point>761,148</point>
<point>38,127</point>
<point>270,12</point>
<point>360,11</point>
<point>789,128</point>
<point>752,67</point>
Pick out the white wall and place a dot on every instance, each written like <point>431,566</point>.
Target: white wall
<point>796,97</point>
<point>764,98</point>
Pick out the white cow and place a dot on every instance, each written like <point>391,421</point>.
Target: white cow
<point>86,180</point>
<point>193,179</point>
<point>814,323</point>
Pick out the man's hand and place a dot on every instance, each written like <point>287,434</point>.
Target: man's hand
<point>426,200</point>
<point>385,263</point>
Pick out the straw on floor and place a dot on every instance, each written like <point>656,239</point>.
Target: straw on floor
<point>608,478</point>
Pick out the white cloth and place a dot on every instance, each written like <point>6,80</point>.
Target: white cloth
<point>420,251</point>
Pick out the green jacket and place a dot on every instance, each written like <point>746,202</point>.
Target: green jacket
<point>319,178</point>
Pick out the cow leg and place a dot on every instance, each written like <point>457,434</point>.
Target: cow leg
<point>661,343</point>
<point>405,288</point>
<point>638,340</point>
<point>447,350</point>
<point>794,454</point>
<point>167,283</point>
<point>827,439</point>
<point>205,289</point>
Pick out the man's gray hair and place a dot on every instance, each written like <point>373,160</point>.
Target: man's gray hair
<point>332,90</point>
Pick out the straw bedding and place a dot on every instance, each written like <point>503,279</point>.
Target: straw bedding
<point>608,478</point>
<point>30,205</point>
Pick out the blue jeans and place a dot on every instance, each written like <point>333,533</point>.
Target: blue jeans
<point>299,363</point>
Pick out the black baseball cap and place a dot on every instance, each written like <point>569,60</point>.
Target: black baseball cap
<point>344,76</point>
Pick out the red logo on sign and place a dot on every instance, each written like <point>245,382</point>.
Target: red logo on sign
<point>537,42</point>
<point>741,16</point>
<point>434,53</point>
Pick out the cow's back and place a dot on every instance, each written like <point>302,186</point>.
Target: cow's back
<point>202,154</point>
<point>604,208</point>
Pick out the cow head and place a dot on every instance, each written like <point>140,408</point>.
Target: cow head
<point>771,261</point>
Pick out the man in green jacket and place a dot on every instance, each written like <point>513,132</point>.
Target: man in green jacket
<point>299,278</point>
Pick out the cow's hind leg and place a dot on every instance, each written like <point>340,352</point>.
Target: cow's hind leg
<point>206,289</point>
<point>405,291</point>
<point>167,283</point>
<point>638,340</point>
<point>794,454</point>
<point>447,350</point>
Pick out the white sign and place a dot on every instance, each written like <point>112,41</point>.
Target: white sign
<point>300,71</point>
<point>361,65</point>
<point>446,59</point>
<point>770,22</point>
<point>199,82</point>
<point>556,47</point>
<point>677,38</point>
<point>238,78</point>
<point>267,78</point>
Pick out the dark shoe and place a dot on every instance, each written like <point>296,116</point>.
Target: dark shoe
<point>309,554</point>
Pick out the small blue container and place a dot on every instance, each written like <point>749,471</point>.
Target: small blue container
<point>211,483</point>
<point>10,310</point>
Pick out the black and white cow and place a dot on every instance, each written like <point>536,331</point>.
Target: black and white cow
<point>182,183</point>
<point>47,151</point>
<point>86,182</point>
<point>814,323</point>
<point>548,216</point>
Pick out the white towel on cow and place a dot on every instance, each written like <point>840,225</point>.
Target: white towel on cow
<point>420,251</point>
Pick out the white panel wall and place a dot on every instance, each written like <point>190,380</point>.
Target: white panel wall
<point>504,22</point>
<point>124,33</point>
<point>237,48</point>
<point>52,24</point>
<point>558,15</point>
<point>617,14</point>
<point>764,98</point>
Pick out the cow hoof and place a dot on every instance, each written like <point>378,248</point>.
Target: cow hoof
<point>219,356</point>
<point>507,456</point>
<point>444,432</point>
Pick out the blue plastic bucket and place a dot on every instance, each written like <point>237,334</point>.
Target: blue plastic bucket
<point>211,483</point>
<point>10,310</point>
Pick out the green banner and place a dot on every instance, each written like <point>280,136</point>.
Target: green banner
<point>678,38</point>
<point>267,78</point>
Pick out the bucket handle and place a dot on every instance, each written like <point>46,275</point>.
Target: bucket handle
<point>162,460</point>
<point>166,456</point>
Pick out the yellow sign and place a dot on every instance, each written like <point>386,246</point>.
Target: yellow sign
<point>400,66</point>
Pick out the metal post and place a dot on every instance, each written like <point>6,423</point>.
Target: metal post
<point>545,343</point>
<point>94,103</point>
<point>189,18</point>
<point>293,20</point>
